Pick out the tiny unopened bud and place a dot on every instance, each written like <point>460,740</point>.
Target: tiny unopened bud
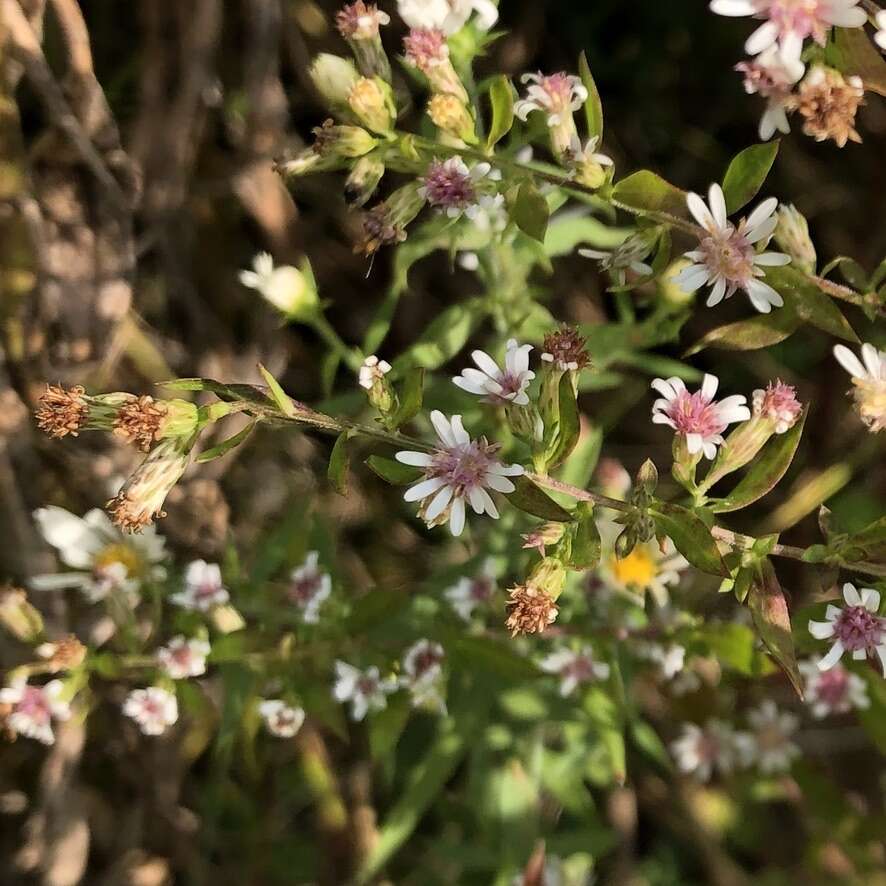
<point>544,535</point>
<point>372,378</point>
<point>667,288</point>
<point>450,114</point>
<point>647,478</point>
<point>626,541</point>
<point>645,528</point>
<point>779,405</point>
<point>363,178</point>
<point>792,235</point>
<point>359,24</point>
<point>427,50</point>
<point>525,421</point>
<point>371,99</point>
<point>18,616</point>
<point>344,141</point>
<point>333,77</point>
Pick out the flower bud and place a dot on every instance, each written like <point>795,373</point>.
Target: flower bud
<point>291,290</point>
<point>549,576</point>
<point>668,289</point>
<point>363,179</point>
<point>342,141</point>
<point>427,50</point>
<point>19,617</point>
<point>304,163</point>
<point>626,541</point>
<point>372,378</point>
<point>646,480</point>
<point>544,535</point>
<point>525,422</point>
<point>685,462</point>
<point>386,223</point>
<point>333,78</point>
<point>792,235</point>
<point>371,99</point>
<point>450,114</point>
<point>359,24</point>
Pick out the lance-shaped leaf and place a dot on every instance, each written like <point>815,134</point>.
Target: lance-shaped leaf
<point>501,96</point>
<point>594,105</point>
<point>763,475</point>
<point>284,404</point>
<point>339,462</point>
<point>585,540</point>
<point>225,446</point>
<point>853,53</point>
<point>443,338</point>
<point>761,331</point>
<point>648,192</point>
<point>533,500</point>
<point>530,211</point>
<point>392,471</point>
<point>772,620</point>
<point>562,429</point>
<point>690,535</point>
<point>869,543</point>
<point>746,174</point>
<point>411,395</point>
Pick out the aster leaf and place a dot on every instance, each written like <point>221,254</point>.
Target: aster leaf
<point>763,475</point>
<point>647,740</point>
<point>284,404</point>
<point>851,52</point>
<point>772,620</point>
<point>530,211</point>
<point>647,192</point>
<point>746,174</point>
<point>761,331</point>
<point>530,498</point>
<point>690,536</point>
<point>410,396</point>
<point>339,462</point>
<point>501,96</point>
<point>586,544</point>
<point>392,471</point>
<point>593,107</point>
<point>226,446</point>
<point>443,338</point>
<point>809,303</point>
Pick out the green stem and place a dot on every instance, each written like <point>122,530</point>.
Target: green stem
<point>351,356</point>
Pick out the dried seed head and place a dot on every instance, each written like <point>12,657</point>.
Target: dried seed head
<point>360,21</point>
<point>378,230</point>
<point>531,610</point>
<point>139,421</point>
<point>61,412</point>
<point>565,348</point>
<point>829,102</point>
<point>64,654</point>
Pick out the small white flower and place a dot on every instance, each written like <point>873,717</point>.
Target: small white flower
<point>789,22</point>
<point>556,95</point>
<point>447,15</point>
<point>280,718</point>
<point>469,593</point>
<point>574,667</point>
<point>285,287</point>
<point>203,588</point>
<point>880,36</point>
<point>506,385</point>
<point>869,381</point>
<point>772,77</point>
<point>588,152</point>
<point>182,658</point>
<point>372,370</point>
<point>702,751</point>
<point>697,417</point>
<point>726,259</point>
<point>365,690</point>
<point>34,707</point>
<point>771,747</point>
<point>669,659</point>
<point>423,675</point>
<point>104,558</point>
<point>309,588</point>
<point>153,709</point>
<point>835,691</point>
<point>857,628</point>
<point>459,471</point>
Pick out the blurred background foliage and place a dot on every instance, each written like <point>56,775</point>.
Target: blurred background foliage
<point>124,283</point>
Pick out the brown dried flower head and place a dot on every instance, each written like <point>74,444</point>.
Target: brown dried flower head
<point>531,610</point>
<point>565,348</point>
<point>64,654</point>
<point>378,230</point>
<point>829,102</point>
<point>61,412</point>
<point>139,421</point>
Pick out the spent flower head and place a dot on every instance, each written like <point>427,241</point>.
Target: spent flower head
<point>778,403</point>
<point>530,610</point>
<point>62,411</point>
<point>772,76</point>
<point>828,103</point>
<point>360,21</point>
<point>857,628</point>
<point>869,383</point>
<point>427,50</point>
<point>566,349</point>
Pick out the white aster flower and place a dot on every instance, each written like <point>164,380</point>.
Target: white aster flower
<point>857,628</point>
<point>789,22</point>
<point>372,370</point>
<point>880,36</point>
<point>447,15</point>
<point>309,588</point>
<point>181,658</point>
<point>33,709</point>
<point>153,709</point>
<point>203,587</point>
<point>469,593</point>
<point>702,751</point>
<point>726,259</point>
<point>365,690</point>
<point>669,659</point>
<point>628,255</point>
<point>460,470</point>
<point>697,417</point>
<point>423,675</point>
<point>104,558</point>
<point>772,76</point>
<point>771,747</point>
<point>556,95</point>
<point>285,287</point>
<point>496,385</point>
<point>574,667</point>
<point>834,691</point>
<point>869,380</point>
<point>281,719</point>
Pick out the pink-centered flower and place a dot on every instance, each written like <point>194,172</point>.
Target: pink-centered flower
<point>423,675</point>
<point>702,751</point>
<point>726,259</point>
<point>789,22</point>
<point>181,658</point>
<point>459,471</point>
<point>778,403</point>
<point>34,708</point>
<point>454,189</point>
<point>697,417</point>
<point>153,709</point>
<point>280,719</point>
<point>574,667</point>
<point>770,746</point>
<point>771,76</point>
<point>869,381</point>
<point>309,588</point>
<point>557,95</point>
<point>472,592</point>
<point>856,628</point>
<point>203,588</point>
<point>497,385</point>
<point>425,48</point>
<point>365,690</point>
<point>835,691</point>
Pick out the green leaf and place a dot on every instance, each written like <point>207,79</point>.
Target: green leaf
<point>530,211</point>
<point>761,331</point>
<point>392,471</point>
<point>283,402</point>
<point>339,460</point>
<point>608,721</point>
<point>225,446</point>
<point>530,498</point>
<point>746,174</point>
<point>579,468</point>
<point>485,655</point>
<point>565,232</point>
<point>647,740</point>
<point>563,428</point>
<point>443,338</point>
<point>386,726</point>
<point>852,52</point>
<point>501,96</point>
<point>648,192</point>
<point>690,536</point>
<point>374,608</point>
<point>593,105</point>
<point>772,620</point>
<point>771,465</point>
<point>224,392</point>
<point>410,396</point>
<point>586,543</point>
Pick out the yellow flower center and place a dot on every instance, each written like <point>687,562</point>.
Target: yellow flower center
<point>118,553</point>
<point>639,568</point>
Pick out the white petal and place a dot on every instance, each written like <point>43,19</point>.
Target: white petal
<point>832,657</point>
<point>457,517</point>
<point>762,38</point>
<point>415,459</point>
<point>718,205</point>
<point>732,7</point>
<point>761,213</point>
<point>870,599</point>
<point>821,630</point>
<point>849,361</point>
<point>772,259</point>
<point>486,363</point>
<point>851,595</point>
<point>709,386</point>
<point>700,211</point>
<point>443,428</point>
<point>423,489</point>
